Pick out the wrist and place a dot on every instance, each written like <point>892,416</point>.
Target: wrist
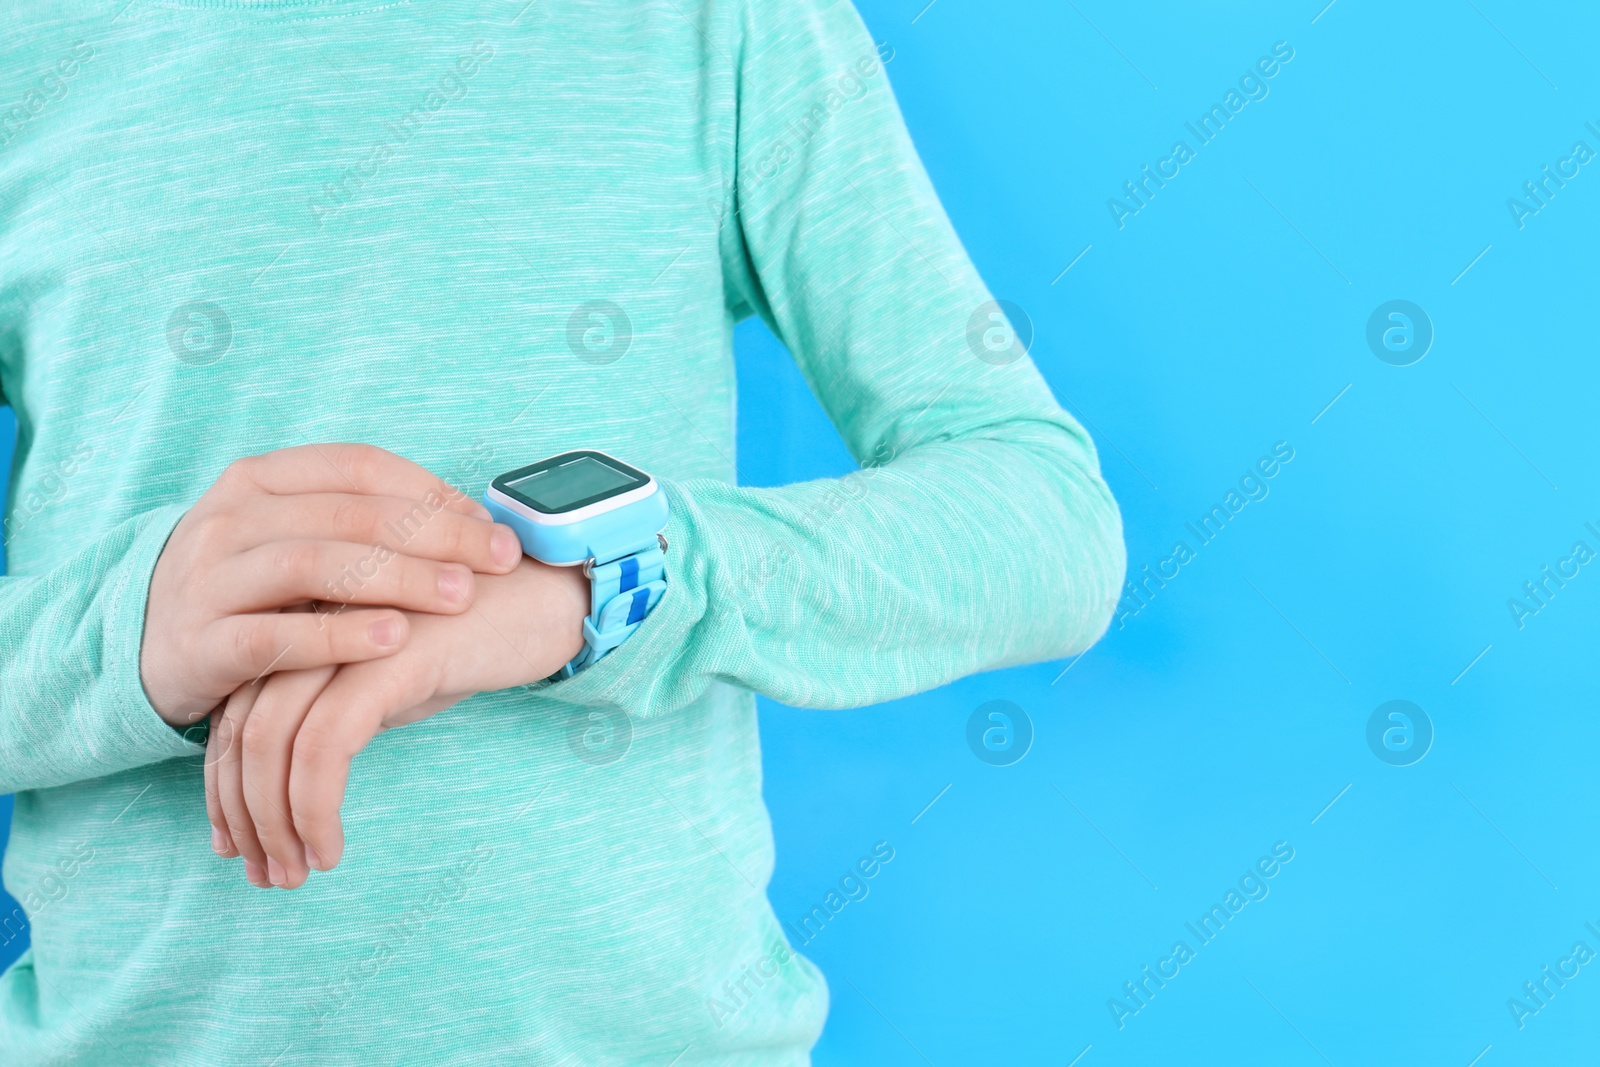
<point>175,710</point>
<point>569,606</point>
<point>541,609</point>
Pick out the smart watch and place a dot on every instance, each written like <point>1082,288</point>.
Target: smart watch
<point>588,509</point>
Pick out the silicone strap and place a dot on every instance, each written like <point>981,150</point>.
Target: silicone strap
<point>621,593</point>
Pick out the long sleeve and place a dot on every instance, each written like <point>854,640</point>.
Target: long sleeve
<point>978,533</point>
<point>71,703</point>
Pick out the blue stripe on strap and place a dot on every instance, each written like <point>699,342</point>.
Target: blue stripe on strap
<point>630,574</point>
<point>636,610</point>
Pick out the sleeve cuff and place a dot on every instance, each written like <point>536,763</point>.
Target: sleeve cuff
<point>138,732</point>
<point>634,676</point>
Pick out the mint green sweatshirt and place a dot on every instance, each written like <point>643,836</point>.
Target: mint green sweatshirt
<point>478,232</point>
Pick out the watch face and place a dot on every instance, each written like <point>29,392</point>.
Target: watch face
<point>570,481</point>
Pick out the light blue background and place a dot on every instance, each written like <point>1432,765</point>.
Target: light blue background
<point>1223,318</point>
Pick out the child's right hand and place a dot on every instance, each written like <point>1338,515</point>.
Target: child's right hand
<point>348,523</point>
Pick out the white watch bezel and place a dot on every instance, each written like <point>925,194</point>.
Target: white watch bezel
<point>567,518</point>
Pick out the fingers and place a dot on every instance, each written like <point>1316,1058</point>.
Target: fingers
<point>398,525</point>
<point>226,739</point>
<point>350,468</point>
<point>221,838</point>
<point>345,717</point>
<point>288,571</point>
<point>268,739</point>
<point>248,646</point>
<point>274,509</point>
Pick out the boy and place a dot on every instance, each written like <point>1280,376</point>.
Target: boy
<point>474,234</point>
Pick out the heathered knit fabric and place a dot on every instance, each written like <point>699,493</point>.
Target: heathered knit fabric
<point>478,232</point>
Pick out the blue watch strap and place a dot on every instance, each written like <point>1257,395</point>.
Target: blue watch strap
<point>621,594</point>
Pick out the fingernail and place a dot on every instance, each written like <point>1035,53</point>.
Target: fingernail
<point>313,860</point>
<point>504,546</point>
<point>255,875</point>
<point>276,874</point>
<point>453,585</point>
<point>385,632</point>
<point>220,843</point>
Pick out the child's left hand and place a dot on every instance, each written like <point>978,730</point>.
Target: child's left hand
<point>280,748</point>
